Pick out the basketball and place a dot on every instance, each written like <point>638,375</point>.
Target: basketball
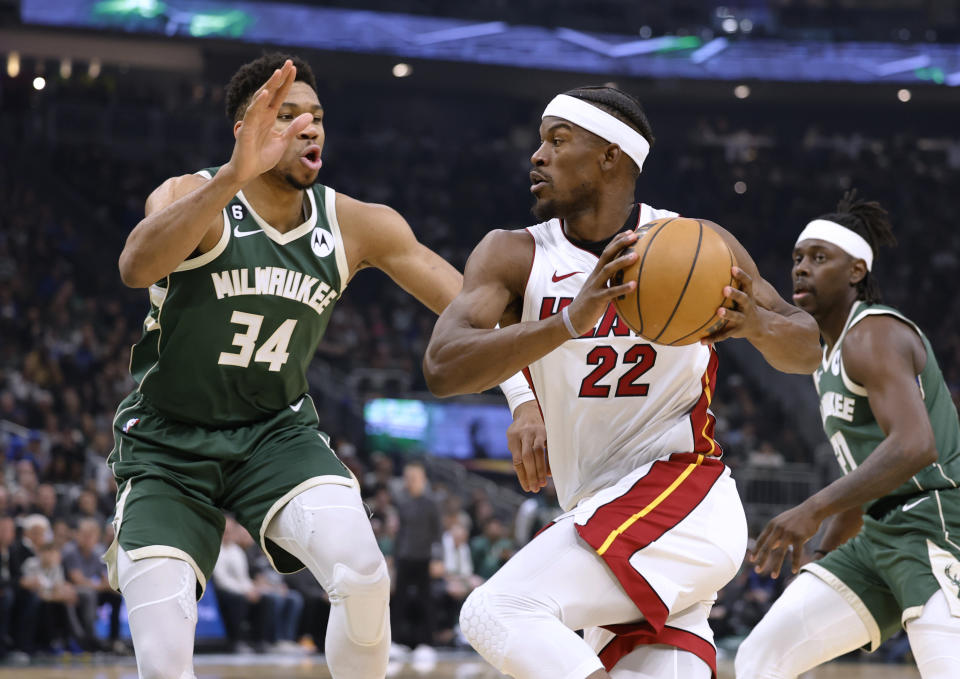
<point>681,270</point>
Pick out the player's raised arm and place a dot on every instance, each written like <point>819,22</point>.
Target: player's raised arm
<point>378,236</point>
<point>466,355</point>
<point>182,216</point>
<point>786,335</point>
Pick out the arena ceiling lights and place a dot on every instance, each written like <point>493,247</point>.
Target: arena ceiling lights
<point>499,43</point>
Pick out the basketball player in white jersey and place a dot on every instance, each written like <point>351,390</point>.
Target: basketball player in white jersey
<point>653,524</point>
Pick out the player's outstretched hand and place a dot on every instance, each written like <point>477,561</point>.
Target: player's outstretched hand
<point>527,441</point>
<point>260,143</point>
<point>789,530</point>
<point>597,293</point>
<point>743,320</point>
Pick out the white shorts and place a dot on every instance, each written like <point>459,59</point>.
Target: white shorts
<point>673,533</point>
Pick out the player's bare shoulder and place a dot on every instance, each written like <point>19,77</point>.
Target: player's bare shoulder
<point>881,338</point>
<point>172,190</point>
<point>369,229</point>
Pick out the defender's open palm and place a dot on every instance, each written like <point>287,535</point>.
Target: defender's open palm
<point>596,294</point>
<point>260,144</point>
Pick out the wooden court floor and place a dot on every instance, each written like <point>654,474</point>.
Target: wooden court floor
<point>449,666</point>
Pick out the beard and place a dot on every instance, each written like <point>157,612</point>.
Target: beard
<point>575,201</point>
<point>296,183</point>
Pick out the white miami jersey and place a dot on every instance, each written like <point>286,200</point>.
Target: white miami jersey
<point>611,400</point>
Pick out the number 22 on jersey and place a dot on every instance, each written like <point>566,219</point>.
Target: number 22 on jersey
<point>606,358</point>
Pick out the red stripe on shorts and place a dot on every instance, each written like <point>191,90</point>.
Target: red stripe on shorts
<point>657,502</point>
<point>701,421</point>
<point>633,635</point>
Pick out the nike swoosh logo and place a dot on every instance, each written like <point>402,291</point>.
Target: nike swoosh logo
<point>296,407</point>
<point>914,503</point>
<point>240,234</point>
<point>557,279</point>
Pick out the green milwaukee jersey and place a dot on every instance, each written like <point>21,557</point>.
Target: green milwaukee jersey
<point>231,332</point>
<point>852,429</point>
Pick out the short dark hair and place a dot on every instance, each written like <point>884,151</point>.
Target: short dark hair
<point>872,222</point>
<point>416,462</point>
<point>251,76</point>
<point>622,106</point>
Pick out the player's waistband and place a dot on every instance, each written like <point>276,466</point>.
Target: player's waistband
<point>883,507</point>
<point>144,401</point>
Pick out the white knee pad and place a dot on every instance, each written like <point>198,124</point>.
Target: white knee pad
<point>809,624</point>
<point>482,628</point>
<point>160,594</point>
<point>935,639</point>
<point>365,600</point>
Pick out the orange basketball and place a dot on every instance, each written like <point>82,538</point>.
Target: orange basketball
<point>682,268</point>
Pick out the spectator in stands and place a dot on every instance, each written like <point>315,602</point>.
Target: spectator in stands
<point>458,579</point>
<point>287,603</point>
<point>12,555</point>
<point>46,502</point>
<point>481,510</point>
<point>62,533</point>
<point>491,549</point>
<point>87,507</point>
<point>417,544</point>
<point>27,480</point>
<point>316,609</point>
<point>246,614</point>
<point>49,613</point>
<point>384,521</point>
<point>765,456</point>
<point>535,513</point>
<point>37,532</point>
<point>88,574</point>
<point>453,512</point>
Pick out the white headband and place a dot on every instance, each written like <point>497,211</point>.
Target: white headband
<point>601,123</point>
<point>850,242</point>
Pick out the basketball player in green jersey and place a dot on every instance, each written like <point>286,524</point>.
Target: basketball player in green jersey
<point>890,552</point>
<point>244,263</point>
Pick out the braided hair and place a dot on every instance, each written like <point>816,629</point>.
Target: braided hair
<point>624,107</point>
<point>250,78</point>
<point>869,220</point>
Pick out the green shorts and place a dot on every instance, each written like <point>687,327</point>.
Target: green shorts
<point>175,480</point>
<point>889,570</point>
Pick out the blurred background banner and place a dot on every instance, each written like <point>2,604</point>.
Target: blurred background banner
<point>717,50</point>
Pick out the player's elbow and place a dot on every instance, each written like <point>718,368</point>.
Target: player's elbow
<point>128,271</point>
<point>927,451</point>
<point>434,374</point>
<point>920,449</point>
<point>131,273</point>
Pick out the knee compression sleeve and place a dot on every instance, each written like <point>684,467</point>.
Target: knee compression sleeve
<point>162,608</point>
<point>365,599</point>
<point>809,624</point>
<point>482,629</point>
<point>660,662</point>
<point>935,639</point>
<point>326,527</point>
<point>524,637</point>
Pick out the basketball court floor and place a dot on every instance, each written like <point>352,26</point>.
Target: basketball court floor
<point>453,665</point>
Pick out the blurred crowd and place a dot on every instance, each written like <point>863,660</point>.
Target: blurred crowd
<point>454,169</point>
